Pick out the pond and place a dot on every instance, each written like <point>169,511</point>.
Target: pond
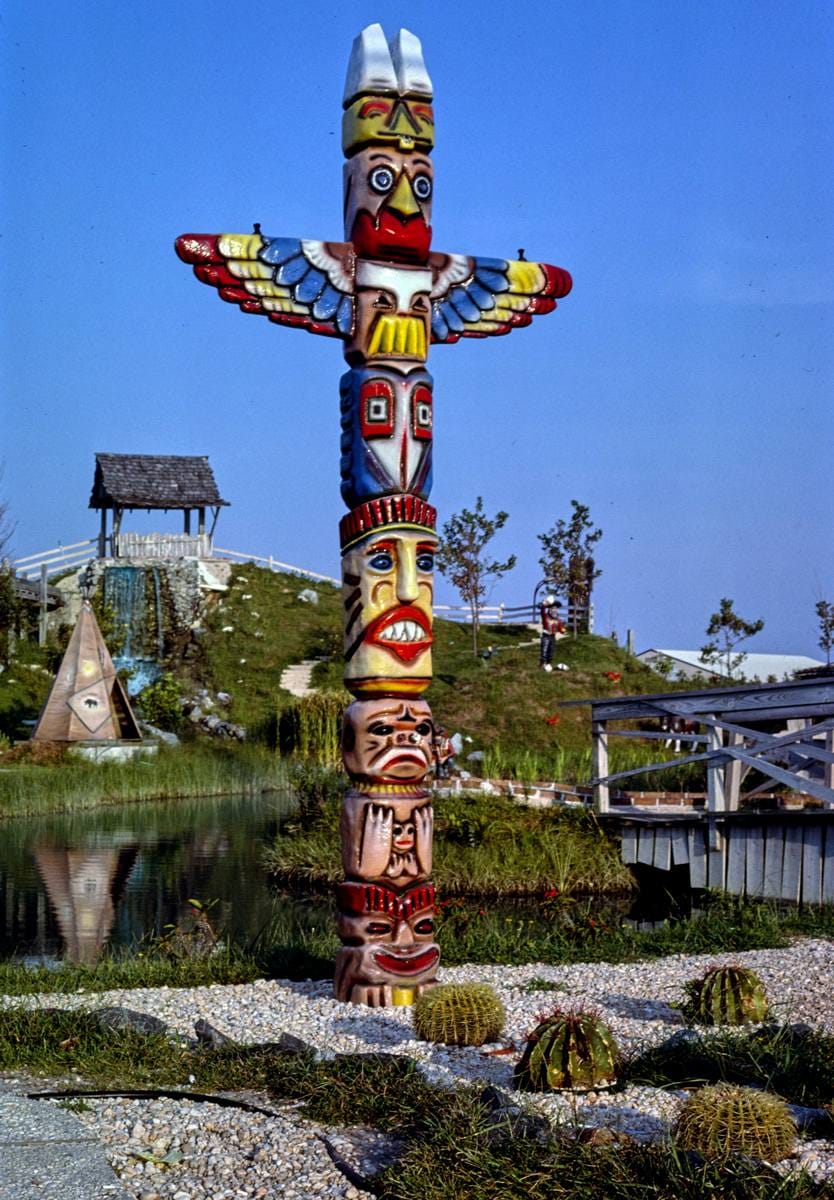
<point>72,884</point>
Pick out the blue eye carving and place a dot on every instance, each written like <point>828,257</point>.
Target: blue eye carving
<point>425,561</point>
<point>381,180</point>
<point>383,560</point>
<point>422,187</point>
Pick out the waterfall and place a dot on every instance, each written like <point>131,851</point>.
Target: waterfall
<point>125,592</point>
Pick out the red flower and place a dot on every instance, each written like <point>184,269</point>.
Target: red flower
<point>551,893</point>
<point>614,676</point>
<point>554,720</point>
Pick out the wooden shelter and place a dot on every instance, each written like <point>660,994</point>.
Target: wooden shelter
<point>126,482</point>
<point>87,700</point>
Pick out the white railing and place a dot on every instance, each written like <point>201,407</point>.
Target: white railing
<point>57,560</point>
<point>162,545</point>
<point>274,564</point>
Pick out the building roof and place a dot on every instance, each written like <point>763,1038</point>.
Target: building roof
<point>754,666</point>
<point>154,481</point>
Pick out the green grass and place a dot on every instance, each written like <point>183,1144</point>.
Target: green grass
<point>123,971</point>
<point>482,846</point>
<point>196,769</point>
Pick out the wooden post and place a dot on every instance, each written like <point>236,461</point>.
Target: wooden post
<point>44,611</point>
<point>102,534</point>
<point>187,522</point>
<point>732,775</point>
<point>201,521</point>
<point>828,777</point>
<point>114,536</point>
<point>716,798</point>
<point>600,764</point>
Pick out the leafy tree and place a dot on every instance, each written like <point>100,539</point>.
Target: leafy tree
<point>726,629</point>
<point>825,612</point>
<point>461,557</point>
<point>567,559</point>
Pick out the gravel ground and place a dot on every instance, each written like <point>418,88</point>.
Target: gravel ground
<point>228,1153</point>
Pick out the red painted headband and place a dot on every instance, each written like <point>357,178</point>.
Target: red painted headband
<point>362,899</point>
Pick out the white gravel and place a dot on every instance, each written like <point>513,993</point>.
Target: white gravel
<point>224,1153</point>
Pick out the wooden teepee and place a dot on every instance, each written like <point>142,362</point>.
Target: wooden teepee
<point>87,700</point>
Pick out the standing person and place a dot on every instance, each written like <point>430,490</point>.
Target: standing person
<point>551,625</point>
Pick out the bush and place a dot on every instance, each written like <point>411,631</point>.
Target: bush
<point>160,703</point>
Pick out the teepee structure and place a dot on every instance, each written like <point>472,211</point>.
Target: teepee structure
<point>87,700</point>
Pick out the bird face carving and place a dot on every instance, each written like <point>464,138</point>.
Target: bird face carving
<point>393,314</point>
<point>388,204</point>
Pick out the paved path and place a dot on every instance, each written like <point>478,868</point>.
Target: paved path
<point>295,679</point>
<point>47,1154</point>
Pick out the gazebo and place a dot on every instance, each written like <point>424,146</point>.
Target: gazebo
<point>126,482</point>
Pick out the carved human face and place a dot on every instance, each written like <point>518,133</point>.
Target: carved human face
<point>386,433</point>
<point>387,937</point>
<point>387,590</point>
<point>392,314</point>
<point>396,121</point>
<point>388,204</point>
<point>388,740</point>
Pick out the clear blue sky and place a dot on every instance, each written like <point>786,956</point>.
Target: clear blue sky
<point>676,158</point>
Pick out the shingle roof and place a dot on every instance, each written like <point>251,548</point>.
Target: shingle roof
<point>154,481</point>
<point>753,666</point>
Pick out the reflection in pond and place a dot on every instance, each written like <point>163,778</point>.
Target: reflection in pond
<point>73,883</point>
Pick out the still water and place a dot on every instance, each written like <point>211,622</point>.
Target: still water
<point>73,883</point>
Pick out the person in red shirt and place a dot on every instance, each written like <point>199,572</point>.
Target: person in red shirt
<point>551,625</point>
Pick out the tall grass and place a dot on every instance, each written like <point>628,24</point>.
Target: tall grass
<point>575,766</point>
<point>312,727</point>
<point>171,774</point>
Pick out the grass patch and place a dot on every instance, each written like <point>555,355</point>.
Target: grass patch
<point>135,971</point>
<point>195,769</point>
<point>486,846</point>
<point>795,1062</point>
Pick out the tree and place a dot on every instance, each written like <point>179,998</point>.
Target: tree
<point>461,557</point>
<point>726,629</point>
<point>567,559</point>
<point>825,612</point>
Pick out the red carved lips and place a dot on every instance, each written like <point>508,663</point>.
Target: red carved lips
<point>391,237</point>
<point>407,964</point>
<point>401,631</point>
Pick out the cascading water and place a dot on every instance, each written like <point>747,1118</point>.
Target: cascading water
<point>125,591</point>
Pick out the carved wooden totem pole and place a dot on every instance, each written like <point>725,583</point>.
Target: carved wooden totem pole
<point>388,297</point>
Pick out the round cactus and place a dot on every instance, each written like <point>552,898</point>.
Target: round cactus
<point>459,1014</point>
<point>716,1121</point>
<point>726,996</point>
<point>568,1050</point>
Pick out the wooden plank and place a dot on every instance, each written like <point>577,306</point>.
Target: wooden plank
<point>827,889</point>
<point>732,774</point>
<point>716,797</point>
<point>792,863</point>
<point>680,846</point>
<point>736,859</point>
<point>754,874</point>
<point>697,856</point>
<point>812,864</point>
<point>663,849</point>
<point>599,765</point>
<point>716,864</point>
<point>645,847</point>
<point>773,857</point>
<point>629,844</point>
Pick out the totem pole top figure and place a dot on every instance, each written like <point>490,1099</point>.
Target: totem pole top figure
<point>383,291</point>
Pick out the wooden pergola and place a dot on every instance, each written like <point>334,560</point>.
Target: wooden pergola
<point>785,731</point>
<point>127,482</point>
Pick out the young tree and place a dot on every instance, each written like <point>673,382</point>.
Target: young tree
<point>726,629</point>
<point>825,612</point>
<point>567,559</point>
<point>461,557</point>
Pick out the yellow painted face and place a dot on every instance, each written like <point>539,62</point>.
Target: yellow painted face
<point>389,120</point>
<point>387,589</point>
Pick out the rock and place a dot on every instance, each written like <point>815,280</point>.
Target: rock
<point>224,697</point>
<point>117,1017</point>
<point>169,739</point>
<point>505,1119</point>
<point>308,596</point>
<point>207,1035</point>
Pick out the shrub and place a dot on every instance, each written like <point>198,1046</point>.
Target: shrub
<point>716,1121</point>
<point>459,1014</point>
<point>311,727</point>
<point>568,1050</point>
<point>160,703</point>
<point>730,995</point>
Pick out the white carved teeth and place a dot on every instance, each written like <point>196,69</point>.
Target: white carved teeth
<point>403,631</point>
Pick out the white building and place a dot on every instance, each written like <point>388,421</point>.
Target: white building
<point>688,664</point>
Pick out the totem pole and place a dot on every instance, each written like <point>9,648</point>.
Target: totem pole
<point>387,296</point>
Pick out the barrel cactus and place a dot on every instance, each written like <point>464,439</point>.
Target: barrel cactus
<point>729,995</point>
<point>568,1050</point>
<point>716,1121</point>
<point>459,1014</point>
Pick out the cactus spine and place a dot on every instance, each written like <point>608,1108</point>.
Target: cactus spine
<point>719,1120</point>
<point>726,996</point>
<point>568,1050</point>
<point>459,1014</point>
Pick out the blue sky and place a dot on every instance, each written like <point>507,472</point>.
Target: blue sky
<point>677,159</point>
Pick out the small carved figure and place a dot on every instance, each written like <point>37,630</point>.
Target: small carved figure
<point>388,840</point>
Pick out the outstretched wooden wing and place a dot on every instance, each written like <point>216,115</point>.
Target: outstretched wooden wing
<point>292,281</point>
<point>483,297</point>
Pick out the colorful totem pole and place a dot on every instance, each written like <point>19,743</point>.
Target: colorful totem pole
<point>387,296</point>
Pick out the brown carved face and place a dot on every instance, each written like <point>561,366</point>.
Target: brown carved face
<point>388,741</point>
<point>387,840</point>
<point>393,314</point>
<point>387,936</point>
<point>387,590</point>
<point>388,204</point>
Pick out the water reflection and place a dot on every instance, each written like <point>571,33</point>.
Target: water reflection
<point>71,884</point>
